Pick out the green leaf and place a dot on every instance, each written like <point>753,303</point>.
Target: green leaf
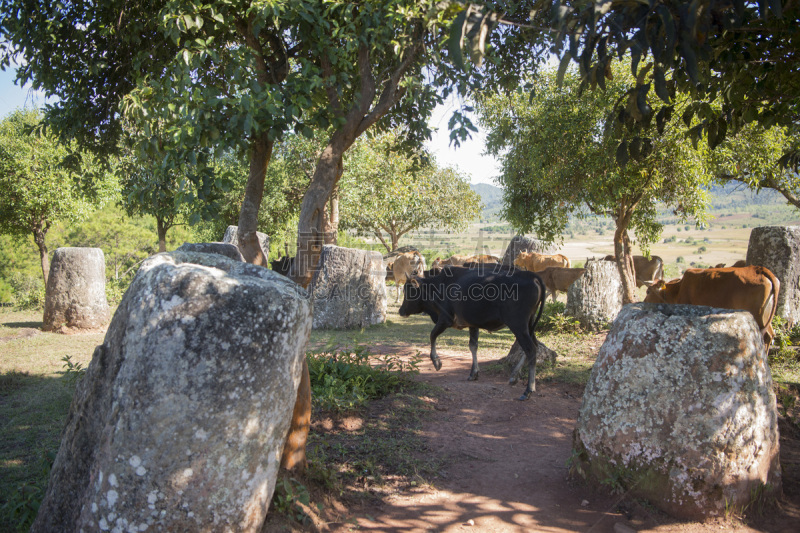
<point>456,37</point>
<point>661,84</point>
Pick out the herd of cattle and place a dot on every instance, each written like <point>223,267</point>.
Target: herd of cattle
<point>479,292</point>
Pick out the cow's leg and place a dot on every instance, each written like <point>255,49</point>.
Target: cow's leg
<point>529,346</point>
<point>398,287</point>
<point>473,348</point>
<point>554,297</point>
<point>438,329</point>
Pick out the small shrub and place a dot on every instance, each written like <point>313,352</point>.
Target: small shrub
<point>347,380</point>
<point>680,259</point>
<point>28,292</point>
<point>291,499</point>
<point>555,321</point>
<point>73,372</point>
<point>115,289</point>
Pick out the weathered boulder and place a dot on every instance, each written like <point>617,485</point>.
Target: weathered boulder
<point>222,248</point>
<point>75,296</point>
<point>349,289</point>
<point>679,409</point>
<point>544,357</point>
<point>180,420</point>
<point>520,243</point>
<point>778,249</point>
<point>232,237</point>
<point>595,298</point>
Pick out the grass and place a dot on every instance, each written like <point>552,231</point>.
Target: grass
<point>380,453</point>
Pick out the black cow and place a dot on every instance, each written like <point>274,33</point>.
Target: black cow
<point>284,265</point>
<point>480,299</point>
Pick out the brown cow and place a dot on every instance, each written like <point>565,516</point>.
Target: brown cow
<point>750,288</point>
<point>482,259</point>
<point>559,278</point>
<point>534,262</point>
<point>406,266</point>
<point>740,263</point>
<point>455,260</point>
<point>646,270</point>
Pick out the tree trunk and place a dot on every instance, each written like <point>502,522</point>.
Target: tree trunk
<point>311,226</point>
<point>383,241</point>
<point>332,217</point>
<point>622,251</point>
<point>161,228</point>
<point>395,238</point>
<point>260,154</point>
<point>39,234</point>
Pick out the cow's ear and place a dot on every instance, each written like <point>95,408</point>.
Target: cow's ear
<point>649,283</point>
<point>414,282</point>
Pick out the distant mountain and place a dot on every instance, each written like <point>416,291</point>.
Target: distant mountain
<point>492,198</point>
<point>728,196</point>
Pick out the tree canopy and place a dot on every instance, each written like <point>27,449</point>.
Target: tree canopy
<point>558,152</point>
<point>387,193</point>
<point>732,60</point>
<point>232,74</point>
<point>36,188</point>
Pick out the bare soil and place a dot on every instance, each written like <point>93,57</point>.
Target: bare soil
<point>506,470</point>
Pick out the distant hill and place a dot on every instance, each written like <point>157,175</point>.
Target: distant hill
<point>492,198</point>
<point>729,196</point>
<point>733,194</point>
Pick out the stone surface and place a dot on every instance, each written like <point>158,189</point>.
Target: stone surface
<point>349,289</point>
<point>679,409</point>
<point>232,237</point>
<point>520,243</point>
<point>75,296</point>
<point>179,422</point>
<point>595,298</point>
<point>778,249</point>
<point>222,248</point>
<point>544,357</point>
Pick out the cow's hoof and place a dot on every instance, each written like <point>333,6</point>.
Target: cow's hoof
<point>472,378</point>
<point>525,396</point>
<point>437,363</point>
<point>512,380</point>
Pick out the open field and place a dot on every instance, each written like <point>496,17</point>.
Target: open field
<point>36,385</point>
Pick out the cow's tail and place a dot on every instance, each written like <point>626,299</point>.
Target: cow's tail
<point>542,298</point>
<point>776,289</point>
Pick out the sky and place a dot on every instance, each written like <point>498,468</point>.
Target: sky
<point>468,157</point>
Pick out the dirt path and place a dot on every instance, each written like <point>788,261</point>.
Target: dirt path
<point>507,469</point>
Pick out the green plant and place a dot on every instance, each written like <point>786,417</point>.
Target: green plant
<point>115,289</point>
<point>29,292</point>
<point>73,372</point>
<point>291,498</point>
<point>22,505</point>
<point>347,380</point>
<point>554,320</point>
<point>574,464</point>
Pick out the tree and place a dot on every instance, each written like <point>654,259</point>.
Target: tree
<point>229,74</point>
<point>164,192</point>
<point>286,180</point>
<point>386,191</point>
<point>753,155</point>
<point>36,188</point>
<point>558,156</point>
<point>734,60</point>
